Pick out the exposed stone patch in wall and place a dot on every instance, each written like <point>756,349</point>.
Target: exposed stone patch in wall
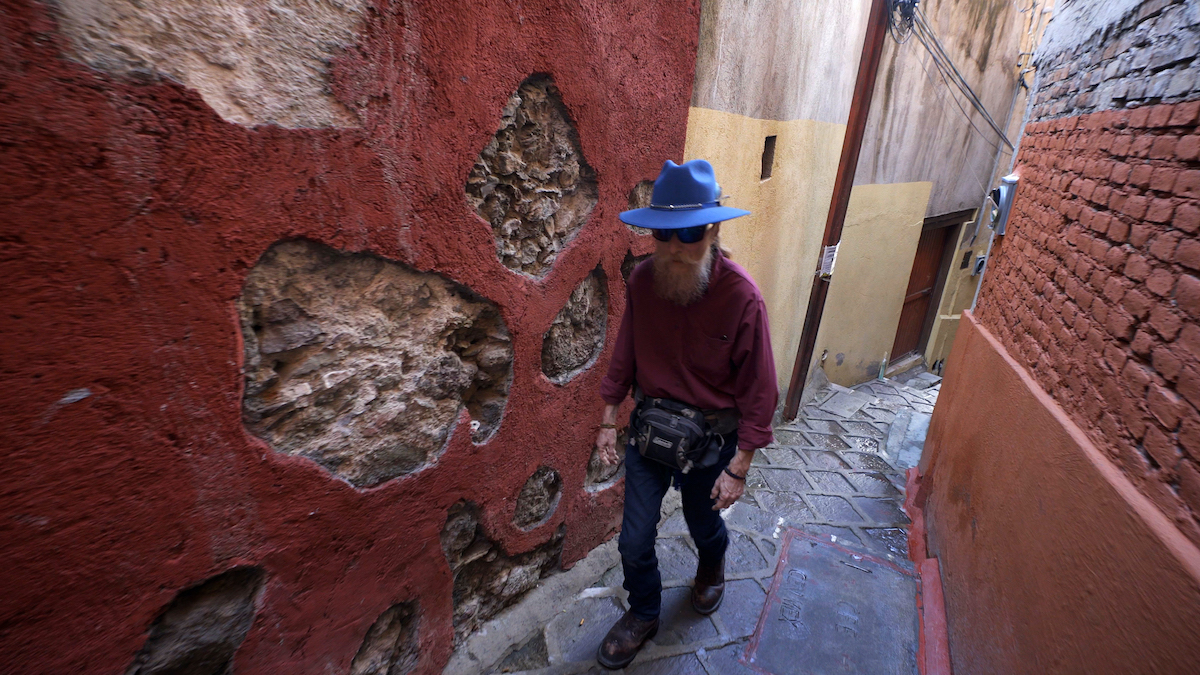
<point>253,61</point>
<point>362,364</point>
<point>601,476</point>
<point>391,646</point>
<point>531,182</point>
<point>486,580</point>
<point>576,337</point>
<point>202,628</point>
<point>1149,56</point>
<point>538,498</point>
<point>639,198</point>
<point>631,261</point>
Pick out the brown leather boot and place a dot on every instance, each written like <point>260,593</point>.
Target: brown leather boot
<point>624,640</point>
<point>709,589</point>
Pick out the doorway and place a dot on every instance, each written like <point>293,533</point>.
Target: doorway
<point>930,267</point>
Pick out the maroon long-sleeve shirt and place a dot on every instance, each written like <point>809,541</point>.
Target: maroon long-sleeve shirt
<point>713,354</point>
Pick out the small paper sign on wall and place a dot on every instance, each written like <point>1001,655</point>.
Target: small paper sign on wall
<point>828,258</point>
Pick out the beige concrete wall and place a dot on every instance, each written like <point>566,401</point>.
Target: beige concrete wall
<point>916,131</point>
<point>883,226</point>
<point>780,60</point>
<point>788,69</point>
<point>779,243</point>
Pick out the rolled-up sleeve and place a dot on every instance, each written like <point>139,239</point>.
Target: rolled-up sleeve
<point>755,389</point>
<point>615,386</point>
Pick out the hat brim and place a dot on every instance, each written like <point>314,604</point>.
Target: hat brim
<point>662,219</point>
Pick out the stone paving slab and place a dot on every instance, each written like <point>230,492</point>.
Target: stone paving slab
<point>838,479</point>
<point>831,610</point>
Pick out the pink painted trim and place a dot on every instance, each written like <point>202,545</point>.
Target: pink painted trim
<point>917,551</point>
<point>934,637</point>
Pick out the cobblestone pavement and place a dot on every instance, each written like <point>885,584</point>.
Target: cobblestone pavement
<point>836,471</point>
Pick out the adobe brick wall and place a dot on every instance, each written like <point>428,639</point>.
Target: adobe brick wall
<point>1095,288</point>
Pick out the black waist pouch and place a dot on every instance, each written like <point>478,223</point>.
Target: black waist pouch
<point>676,434</point>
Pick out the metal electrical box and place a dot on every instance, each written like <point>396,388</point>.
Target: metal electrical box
<point>1001,203</point>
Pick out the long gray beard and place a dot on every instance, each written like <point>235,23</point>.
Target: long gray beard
<point>685,287</point>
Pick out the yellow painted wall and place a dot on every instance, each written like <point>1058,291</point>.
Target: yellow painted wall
<point>779,243</point>
<point>862,311</point>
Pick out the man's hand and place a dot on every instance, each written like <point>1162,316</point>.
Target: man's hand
<point>728,489</point>
<point>606,440</point>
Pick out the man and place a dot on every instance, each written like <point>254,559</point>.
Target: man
<point>694,332</point>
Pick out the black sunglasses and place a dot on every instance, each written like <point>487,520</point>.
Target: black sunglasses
<point>687,235</point>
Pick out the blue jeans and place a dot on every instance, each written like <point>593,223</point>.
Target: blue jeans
<point>646,482</point>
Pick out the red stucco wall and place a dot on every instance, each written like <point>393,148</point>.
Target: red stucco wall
<point>131,216</point>
<point>1052,561</point>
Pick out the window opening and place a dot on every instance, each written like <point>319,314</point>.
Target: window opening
<point>768,157</point>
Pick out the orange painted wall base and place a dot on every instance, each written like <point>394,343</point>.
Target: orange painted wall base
<point>1051,560</point>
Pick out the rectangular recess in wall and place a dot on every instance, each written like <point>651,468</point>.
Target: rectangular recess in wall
<point>768,157</point>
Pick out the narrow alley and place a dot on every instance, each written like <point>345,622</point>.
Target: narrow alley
<point>823,505</point>
<point>323,318</point>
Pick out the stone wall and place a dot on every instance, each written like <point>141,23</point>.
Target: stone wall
<point>256,324</point>
<point>253,62</point>
<point>576,337</point>
<point>364,365</point>
<point>202,628</point>
<point>531,181</point>
<point>1095,288</point>
<point>1146,56</point>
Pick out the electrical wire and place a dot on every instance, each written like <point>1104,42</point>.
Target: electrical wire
<point>945,80</point>
<point>950,74</point>
<point>900,19</point>
<point>994,146</point>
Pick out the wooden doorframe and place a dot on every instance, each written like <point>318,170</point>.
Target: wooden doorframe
<point>952,223</point>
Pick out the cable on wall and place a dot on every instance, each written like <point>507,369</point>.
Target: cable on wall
<point>906,19</point>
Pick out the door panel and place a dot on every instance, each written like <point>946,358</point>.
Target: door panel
<point>919,295</point>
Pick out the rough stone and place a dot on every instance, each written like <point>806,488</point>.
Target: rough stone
<point>742,556</point>
<point>391,646</point>
<point>725,661</point>
<point>631,261</point>
<point>199,632</point>
<point>576,337</point>
<point>676,561</point>
<point>531,182</point>
<point>601,476</point>
<point>529,656</point>
<point>362,364</point>
<point>679,623</point>
<point>252,62</point>
<point>486,579</point>
<point>741,607</point>
<point>538,498</point>
<point>576,632</point>
<point>835,509</point>
<point>639,198</point>
<point>684,664</point>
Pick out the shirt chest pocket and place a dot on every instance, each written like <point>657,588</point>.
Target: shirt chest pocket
<point>709,358</point>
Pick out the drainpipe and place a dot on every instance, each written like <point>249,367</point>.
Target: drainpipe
<point>860,105</point>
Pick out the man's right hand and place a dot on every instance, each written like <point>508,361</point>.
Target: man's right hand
<point>606,440</point>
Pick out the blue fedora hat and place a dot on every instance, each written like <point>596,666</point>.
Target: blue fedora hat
<point>685,195</point>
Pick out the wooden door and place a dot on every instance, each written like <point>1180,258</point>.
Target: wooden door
<point>919,297</point>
